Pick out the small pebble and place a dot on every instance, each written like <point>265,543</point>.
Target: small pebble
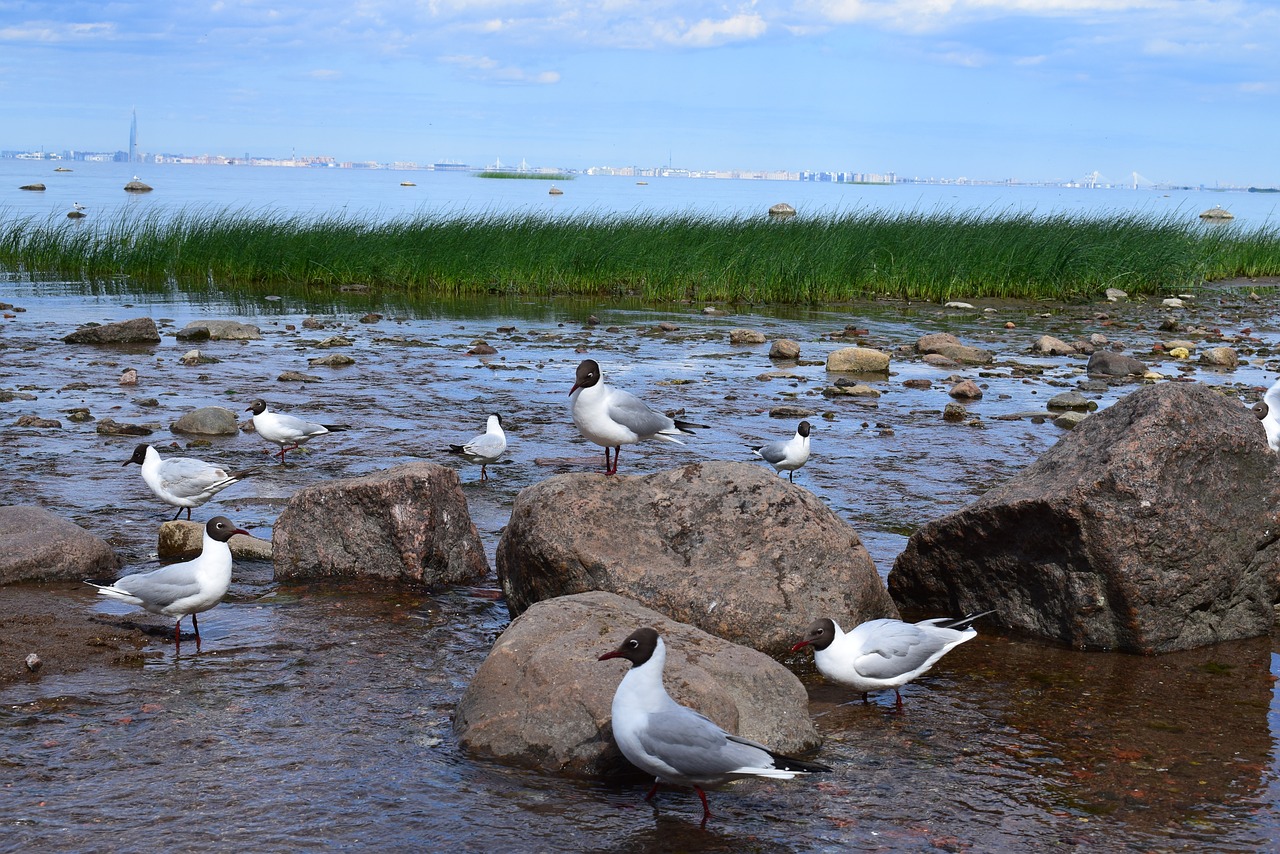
<point>33,662</point>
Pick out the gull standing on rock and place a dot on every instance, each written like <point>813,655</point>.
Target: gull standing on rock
<point>485,448</point>
<point>886,653</point>
<point>787,455</point>
<point>1268,412</point>
<point>183,588</point>
<point>674,743</point>
<point>183,482</point>
<point>610,417</point>
<point>285,430</point>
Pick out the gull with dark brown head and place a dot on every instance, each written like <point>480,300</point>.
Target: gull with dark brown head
<point>787,455</point>
<point>183,482</point>
<point>485,448</point>
<point>611,417</point>
<point>287,431</point>
<point>673,742</point>
<point>880,654</point>
<point>1268,412</point>
<point>190,587</point>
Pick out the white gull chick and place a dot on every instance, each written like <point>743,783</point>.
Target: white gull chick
<point>674,743</point>
<point>286,431</point>
<point>885,653</point>
<point>183,588</point>
<point>485,448</point>
<point>611,417</point>
<point>1268,412</point>
<point>183,482</point>
<point>787,455</point>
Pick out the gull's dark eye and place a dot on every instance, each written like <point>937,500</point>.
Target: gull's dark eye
<point>633,643</point>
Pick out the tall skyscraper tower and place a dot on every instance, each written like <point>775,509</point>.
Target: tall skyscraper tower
<point>133,138</point>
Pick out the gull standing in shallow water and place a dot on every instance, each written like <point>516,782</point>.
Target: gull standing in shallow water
<point>183,588</point>
<point>881,654</point>
<point>1268,412</point>
<point>787,455</point>
<point>183,482</point>
<point>485,448</point>
<point>611,417</point>
<point>674,743</point>
<point>285,430</point>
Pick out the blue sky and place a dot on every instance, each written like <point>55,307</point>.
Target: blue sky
<point>1176,90</point>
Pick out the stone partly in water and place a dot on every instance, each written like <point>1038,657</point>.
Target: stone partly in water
<point>219,330</point>
<point>409,523</point>
<point>724,546</point>
<point>1147,528</point>
<point>541,699</point>
<point>782,210</point>
<point>948,346</point>
<point>858,360</point>
<point>207,421</point>
<point>139,330</point>
<point>136,186</point>
<point>40,546</point>
<point>183,540</point>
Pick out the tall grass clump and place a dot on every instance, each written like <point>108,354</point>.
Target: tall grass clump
<point>934,256</point>
<point>526,176</point>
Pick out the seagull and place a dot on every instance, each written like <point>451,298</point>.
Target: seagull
<point>76,206</point>
<point>183,482</point>
<point>674,743</point>
<point>1268,412</point>
<point>285,430</point>
<point>611,417</point>
<point>789,455</point>
<point>883,653</point>
<point>485,448</point>
<point>183,588</point>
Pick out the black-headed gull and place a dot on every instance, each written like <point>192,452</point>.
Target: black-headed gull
<point>787,455</point>
<point>183,588</point>
<point>485,448</point>
<point>674,743</point>
<point>611,417</point>
<point>285,430</point>
<point>183,482</point>
<point>884,653</point>
<point>1268,412</point>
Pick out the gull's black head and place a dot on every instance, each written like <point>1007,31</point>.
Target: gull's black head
<point>804,429</point>
<point>819,635</point>
<point>222,529</point>
<point>139,455</point>
<point>257,407</point>
<point>637,648</point>
<point>587,376</point>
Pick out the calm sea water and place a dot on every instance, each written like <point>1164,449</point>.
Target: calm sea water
<point>378,194</point>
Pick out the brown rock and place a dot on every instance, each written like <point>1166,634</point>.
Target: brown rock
<point>724,546</point>
<point>947,345</point>
<point>542,700</point>
<point>140,330</point>
<point>39,546</point>
<point>1147,528</point>
<point>409,523</point>
<point>966,390</point>
<point>784,349</point>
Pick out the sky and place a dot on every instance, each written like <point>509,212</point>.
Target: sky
<point>1178,91</point>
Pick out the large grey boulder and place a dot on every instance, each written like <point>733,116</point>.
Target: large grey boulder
<point>1148,528</point>
<point>948,346</point>
<point>207,421</point>
<point>409,523</point>
<point>541,699</point>
<point>220,330</point>
<point>36,545</point>
<point>1112,364</point>
<point>140,330</point>
<point>724,546</point>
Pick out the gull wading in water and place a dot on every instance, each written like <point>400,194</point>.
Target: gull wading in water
<point>485,448</point>
<point>285,430</point>
<point>183,482</point>
<point>611,418</point>
<point>1268,412</point>
<point>787,455</point>
<point>886,653</point>
<point>674,743</point>
<point>183,588</point>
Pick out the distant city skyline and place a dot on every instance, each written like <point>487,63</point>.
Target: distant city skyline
<point>1182,92</point>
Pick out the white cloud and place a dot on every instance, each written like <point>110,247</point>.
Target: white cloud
<point>712,33</point>
<point>49,32</point>
<point>485,68</point>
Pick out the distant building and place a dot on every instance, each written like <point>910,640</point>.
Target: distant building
<point>133,137</point>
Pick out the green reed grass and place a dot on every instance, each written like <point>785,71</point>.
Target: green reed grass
<point>527,176</point>
<point>934,256</point>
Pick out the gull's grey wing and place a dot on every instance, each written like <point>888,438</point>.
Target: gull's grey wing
<point>626,408</point>
<point>187,478</point>
<point>294,425</point>
<point>486,445</point>
<point>774,452</point>
<point>695,747</point>
<point>162,587</point>
<point>894,648</point>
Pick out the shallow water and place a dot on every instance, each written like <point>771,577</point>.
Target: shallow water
<point>320,715</point>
